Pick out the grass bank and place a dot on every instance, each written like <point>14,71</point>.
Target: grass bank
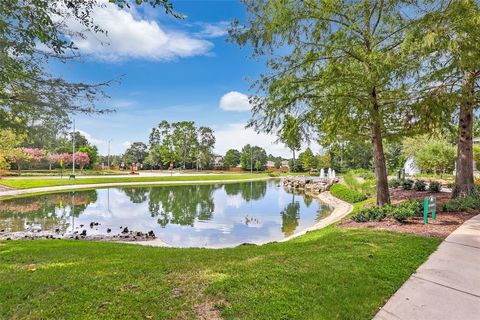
<point>39,183</point>
<point>326,274</point>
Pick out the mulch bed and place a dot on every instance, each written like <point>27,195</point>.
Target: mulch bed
<point>445,223</point>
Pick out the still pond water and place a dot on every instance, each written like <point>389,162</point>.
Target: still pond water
<point>215,215</point>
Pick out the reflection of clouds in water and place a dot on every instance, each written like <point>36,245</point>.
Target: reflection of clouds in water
<point>234,201</point>
<point>211,217</point>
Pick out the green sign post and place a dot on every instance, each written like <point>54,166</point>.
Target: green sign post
<point>429,205</point>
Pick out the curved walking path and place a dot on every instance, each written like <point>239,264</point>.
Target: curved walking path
<point>447,285</point>
<point>17,192</point>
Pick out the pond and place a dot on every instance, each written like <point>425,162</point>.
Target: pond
<point>213,215</point>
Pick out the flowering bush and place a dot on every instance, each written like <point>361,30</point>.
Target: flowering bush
<point>81,158</point>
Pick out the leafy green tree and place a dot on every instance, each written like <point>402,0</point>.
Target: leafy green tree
<point>232,158</point>
<point>9,141</point>
<point>154,158</point>
<point>323,160</point>
<point>449,34</point>
<point>184,139</point>
<point>278,163</point>
<point>136,153</point>
<point>340,64</point>
<point>308,159</point>
<point>291,134</point>
<point>250,155</point>
<point>206,142</point>
<point>436,156</point>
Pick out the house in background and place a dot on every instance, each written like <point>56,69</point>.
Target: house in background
<point>218,161</point>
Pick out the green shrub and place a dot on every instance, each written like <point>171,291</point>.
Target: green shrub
<point>415,206</point>
<point>274,174</point>
<point>400,212</point>
<point>434,186</point>
<point>420,185</point>
<point>407,184</point>
<point>394,183</point>
<point>371,214</point>
<point>344,193</point>
<point>462,204</point>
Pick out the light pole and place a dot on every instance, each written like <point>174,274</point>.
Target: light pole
<point>73,148</point>
<point>108,157</point>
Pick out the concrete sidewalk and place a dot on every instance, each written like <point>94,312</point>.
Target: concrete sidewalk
<point>447,285</point>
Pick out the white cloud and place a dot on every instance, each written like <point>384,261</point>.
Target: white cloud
<point>235,101</point>
<point>235,136</point>
<point>126,144</point>
<point>214,30</point>
<point>91,139</point>
<point>129,36</point>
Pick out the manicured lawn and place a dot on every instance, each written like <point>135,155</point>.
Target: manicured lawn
<point>331,273</point>
<point>38,183</point>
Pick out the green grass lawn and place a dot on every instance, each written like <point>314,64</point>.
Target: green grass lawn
<point>326,274</point>
<point>38,183</point>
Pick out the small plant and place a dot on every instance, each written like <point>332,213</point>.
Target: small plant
<point>394,183</point>
<point>407,184</point>
<point>274,174</point>
<point>434,186</point>
<point>420,185</point>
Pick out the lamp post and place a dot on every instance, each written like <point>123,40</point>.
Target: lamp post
<point>108,157</point>
<point>73,148</point>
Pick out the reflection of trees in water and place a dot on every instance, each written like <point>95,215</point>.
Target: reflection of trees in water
<point>136,195</point>
<point>323,211</point>
<point>308,200</point>
<point>252,190</point>
<point>290,216</point>
<point>182,204</point>
<point>49,210</point>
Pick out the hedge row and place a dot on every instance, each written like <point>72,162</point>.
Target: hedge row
<point>344,193</point>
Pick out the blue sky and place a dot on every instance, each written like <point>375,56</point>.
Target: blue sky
<point>171,70</point>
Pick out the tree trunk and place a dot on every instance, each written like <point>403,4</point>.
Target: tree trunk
<point>293,160</point>
<point>383,195</point>
<point>464,184</point>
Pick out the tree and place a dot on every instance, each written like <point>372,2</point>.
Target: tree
<point>278,163</point>
<point>184,139</point>
<point>34,32</point>
<point>308,160</point>
<point>81,159</point>
<point>323,160</point>
<point>253,155</point>
<point>136,153</point>
<point>8,147</point>
<point>436,156</point>
<point>154,158</point>
<point>449,35</point>
<point>92,152</point>
<point>340,65</point>
<point>232,158</point>
<point>206,142</point>
<point>290,134</point>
